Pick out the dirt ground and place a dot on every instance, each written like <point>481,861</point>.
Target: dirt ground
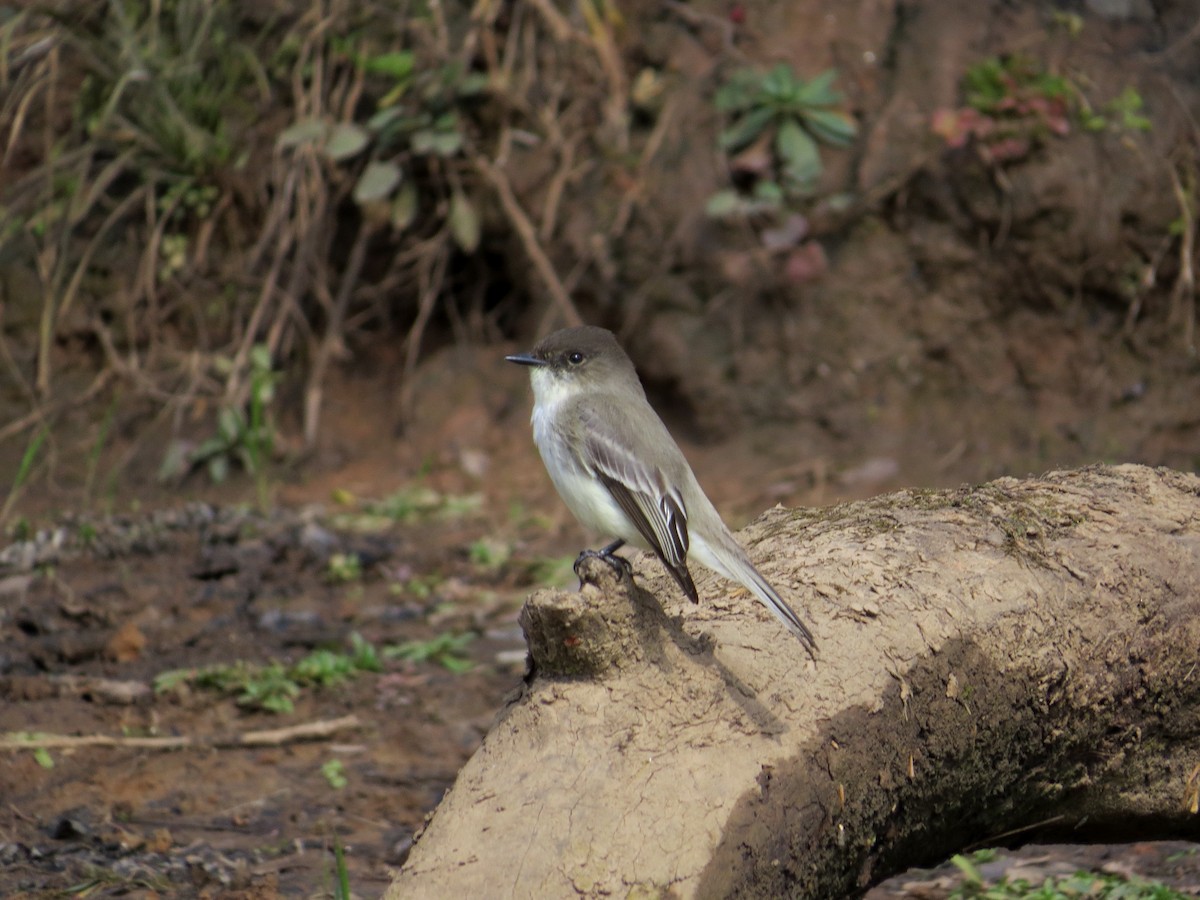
<point>951,340</point>
<point>115,604</point>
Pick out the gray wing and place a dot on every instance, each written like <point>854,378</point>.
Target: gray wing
<point>644,494</point>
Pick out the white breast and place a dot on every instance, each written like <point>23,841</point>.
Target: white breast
<point>587,499</point>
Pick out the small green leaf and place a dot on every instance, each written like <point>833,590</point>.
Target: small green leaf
<point>346,140</point>
<point>377,182</point>
<point>1134,122</point>
<point>464,222</point>
<point>306,131</point>
<point>43,758</point>
<point>797,149</point>
<point>384,118</point>
<point>404,207</point>
<point>746,129</point>
<point>230,423</point>
<point>335,773</point>
<point>175,461</point>
<point>971,874</point>
<point>398,65</point>
<point>831,126</point>
<point>437,143</point>
<point>218,468</point>
<point>456,665</point>
<point>260,357</point>
<point>781,85</point>
<point>740,92</point>
<point>723,204</point>
<point>472,85</point>
<point>819,90</point>
<point>276,703</point>
<point>768,192</point>
<point>208,447</point>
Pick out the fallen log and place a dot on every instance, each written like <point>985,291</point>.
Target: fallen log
<point>1019,652</point>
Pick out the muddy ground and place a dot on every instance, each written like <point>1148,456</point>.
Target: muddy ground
<point>96,610</point>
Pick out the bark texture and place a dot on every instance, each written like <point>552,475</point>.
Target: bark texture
<point>990,657</point>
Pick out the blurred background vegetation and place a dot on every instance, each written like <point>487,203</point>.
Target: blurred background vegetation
<point>204,202</point>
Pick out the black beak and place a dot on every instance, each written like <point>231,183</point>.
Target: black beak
<point>525,359</point>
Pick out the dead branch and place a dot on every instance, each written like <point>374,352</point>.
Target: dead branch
<point>528,235</point>
<point>306,731</point>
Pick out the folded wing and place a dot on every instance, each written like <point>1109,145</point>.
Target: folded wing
<point>645,496</point>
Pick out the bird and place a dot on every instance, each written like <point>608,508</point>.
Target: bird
<point>619,471</point>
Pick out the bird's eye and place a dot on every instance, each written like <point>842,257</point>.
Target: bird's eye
<point>575,358</point>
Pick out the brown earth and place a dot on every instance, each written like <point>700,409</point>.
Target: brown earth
<point>971,323</point>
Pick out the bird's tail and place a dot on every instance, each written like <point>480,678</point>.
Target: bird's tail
<point>734,564</point>
<point>771,599</point>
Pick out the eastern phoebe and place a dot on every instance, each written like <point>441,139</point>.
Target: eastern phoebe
<point>619,470</point>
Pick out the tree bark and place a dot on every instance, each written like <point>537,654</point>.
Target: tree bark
<point>992,657</point>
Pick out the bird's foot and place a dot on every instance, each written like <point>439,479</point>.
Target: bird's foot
<point>609,555</point>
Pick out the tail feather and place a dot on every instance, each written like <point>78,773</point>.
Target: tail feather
<point>731,561</point>
<point>772,601</point>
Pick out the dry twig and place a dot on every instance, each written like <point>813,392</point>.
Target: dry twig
<point>306,731</point>
<point>528,235</point>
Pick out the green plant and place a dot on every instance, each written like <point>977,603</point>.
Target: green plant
<point>1080,886</point>
<point>161,94</point>
<point>794,116</point>
<point>412,503</point>
<point>419,586</point>
<point>1014,105</point>
<point>419,116</point>
<point>273,687</point>
<point>97,448</point>
<point>335,773</point>
<point>489,552</point>
<point>24,468</point>
<point>115,884</point>
<point>447,650</point>
<point>344,567</point>
<point>245,435</point>
<point>1122,113</point>
<point>341,873</point>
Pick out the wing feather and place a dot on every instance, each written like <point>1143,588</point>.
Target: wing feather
<point>646,497</point>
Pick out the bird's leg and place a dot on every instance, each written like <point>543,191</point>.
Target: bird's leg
<point>609,555</point>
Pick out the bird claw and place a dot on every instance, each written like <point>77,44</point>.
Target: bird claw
<point>619,563</point>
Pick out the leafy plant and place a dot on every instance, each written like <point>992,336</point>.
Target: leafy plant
<point>412,503</point>
<point>1080,886</point>
<point>1122,113</point>
<point>244,435</point>
<point>419,116</point>
<point>335,773</point>
<point>273,687</point>
<point>489,552</point>
<point>1013,105</point>
<point>24,468</point>
<point>447,650</point>
<point>344,567</point>
<point>160,94</point>
<point>419,586</point>
<point>793,116</point>
<point>341,889</point>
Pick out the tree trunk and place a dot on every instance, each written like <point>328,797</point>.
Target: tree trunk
<point>991,658</point>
